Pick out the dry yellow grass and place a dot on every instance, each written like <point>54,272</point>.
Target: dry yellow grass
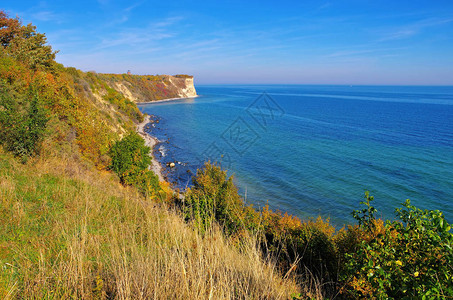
<point>69,231</point>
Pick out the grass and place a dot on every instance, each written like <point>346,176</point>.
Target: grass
<point>70,231</point>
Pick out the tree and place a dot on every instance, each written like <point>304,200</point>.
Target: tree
<point>130,156</point>
<point>130,160</point>
<point>22,128</point>
<point>24,43</point>
<point>9,28</point>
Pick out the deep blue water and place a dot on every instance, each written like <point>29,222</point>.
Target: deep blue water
<point>315,150</point>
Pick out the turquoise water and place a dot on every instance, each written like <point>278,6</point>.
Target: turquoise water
<point>315,150</point>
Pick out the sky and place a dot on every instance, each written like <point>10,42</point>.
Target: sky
<point>377,42</point>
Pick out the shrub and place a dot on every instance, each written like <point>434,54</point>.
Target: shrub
<point>130,160</point>
<point>307,248</point>
<point>294,244</point>
<point>123,103</point>
<point>214,196</point>
<point>22,125</point>
<point>410,258</point>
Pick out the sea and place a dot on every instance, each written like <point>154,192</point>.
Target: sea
<point>314,150</point>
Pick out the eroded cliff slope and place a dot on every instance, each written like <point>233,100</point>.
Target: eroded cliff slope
<point>147,88</point>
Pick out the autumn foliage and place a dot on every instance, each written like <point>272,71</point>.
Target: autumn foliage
<point>48,110</point>
<point>409,258</point>
<point>25,44</point>
<point>29,73</point>
<point>148,87</point>
<point>294,244</point>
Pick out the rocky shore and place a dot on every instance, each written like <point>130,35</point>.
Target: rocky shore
<point>150,141</point>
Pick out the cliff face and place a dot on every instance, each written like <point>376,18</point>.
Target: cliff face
<point>147,88</point>
<point>186,89</point>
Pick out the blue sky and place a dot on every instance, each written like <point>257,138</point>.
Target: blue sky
<point>294,42</point>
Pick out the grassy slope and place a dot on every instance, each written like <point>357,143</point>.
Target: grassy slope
<point>69,230</point>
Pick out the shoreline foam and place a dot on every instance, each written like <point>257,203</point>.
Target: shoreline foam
<point>165,100</point>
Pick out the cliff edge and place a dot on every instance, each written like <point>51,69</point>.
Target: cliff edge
<point>148,88</point>
<point>187,89</point>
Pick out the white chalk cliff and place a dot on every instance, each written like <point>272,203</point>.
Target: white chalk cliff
<point>148,88</point>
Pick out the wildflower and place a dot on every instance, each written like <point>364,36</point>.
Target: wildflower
<point>416,274</point>
<point>399,263</point>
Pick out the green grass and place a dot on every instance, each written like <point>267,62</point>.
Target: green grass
<point>70,231</point>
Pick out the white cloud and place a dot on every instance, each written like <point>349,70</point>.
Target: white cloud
<point>43,16</point>
<point>141,37</point>
<point>407,31</point>
<point>351,52</point>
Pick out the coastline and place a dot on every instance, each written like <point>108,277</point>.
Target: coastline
<point>150,141</point>
<point>165,100</point>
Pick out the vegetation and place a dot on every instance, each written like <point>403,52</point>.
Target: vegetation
<point>69,231</point>
<point>71,228</point>
<point>183,76</point>
<point>406,259</point>
<point>147,87</point>
<point>130,161</point>
<point>214,197</point>
<point>21,128</point>
<point>24,43</point>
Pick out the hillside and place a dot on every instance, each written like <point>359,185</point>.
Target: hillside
<point>82,216</point>
<point>147,88</point>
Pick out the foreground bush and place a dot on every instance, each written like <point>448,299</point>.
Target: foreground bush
<point>406,259</point>
<point>130,161</point>
<point>410,258</point>
<point>214,197</point>
<point>22,124</point>
<point>305,249</point>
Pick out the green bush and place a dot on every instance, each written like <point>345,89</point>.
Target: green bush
<point>22,125</point>
<point>130,160</point>
<point>214,196</point>
<point>406,259</point>
<point>306,247</point>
